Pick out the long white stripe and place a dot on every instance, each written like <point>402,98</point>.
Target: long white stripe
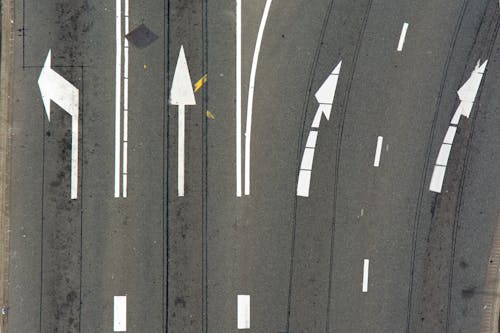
<point>402,37</point>
<point>120,314</point>
<point>376,162</point>
<point>366,264</point>
<point>180,152</point>
<point>238,98</point>
<point>125,100</point>
<point>243,312</point>
<point>251,87</point>
<point>118,79</point>
<point>74,157</point>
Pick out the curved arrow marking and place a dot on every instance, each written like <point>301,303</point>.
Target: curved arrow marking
<point>324,96</point>
<point>54,87</point>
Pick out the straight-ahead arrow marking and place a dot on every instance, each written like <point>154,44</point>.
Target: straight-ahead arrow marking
<point>324,96</point>
<point>181,94</point>
<point>54,87</point>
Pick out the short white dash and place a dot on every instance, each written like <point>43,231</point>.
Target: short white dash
<point>402,37</point>
<point>362,212</point>
<point>437,178</point>
<point>366,264</point>
<point>450,135</point>
<point>376,162</point>
<point>444,154</point>
<point>303,183</point>
<point>307,159</point>
<point>243,312</point>
<point>311,139</point>
<point>120,314</point>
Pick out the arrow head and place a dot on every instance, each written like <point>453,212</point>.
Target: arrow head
<point>468,90</point>
<point>326,92</point>
<point>43,83</point>
<point>182,88</point>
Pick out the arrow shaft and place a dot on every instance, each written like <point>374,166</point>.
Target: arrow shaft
<point>180,151</point>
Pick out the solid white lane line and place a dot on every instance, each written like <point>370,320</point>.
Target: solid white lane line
<point>376,162</point>
<point>311,139</point>
<point>125,100</point>
<point>243,312</point>
<point>180,152</point>
<point>366,264</point>
<point>303,183</point>
<point>251,88</point>
<point>238,98</point>
<point>74,156</point>
<point>402,37</point>
<point>120,314</point>
<point>437,178</point>
<point>118,79</point>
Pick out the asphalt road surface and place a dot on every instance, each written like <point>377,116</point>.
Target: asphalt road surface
<point>370,249</point>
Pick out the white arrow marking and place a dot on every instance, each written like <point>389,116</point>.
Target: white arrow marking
<point>181,94</point>
<point>324,96</point>
<point>56,88</point>
<point>467,94</point>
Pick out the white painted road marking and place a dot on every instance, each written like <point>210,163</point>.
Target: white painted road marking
<point>125,102</point>
<point>238,98</point>
<point>54,87</point>
<point>324,97</point>
<point>118,80</point>
<point>251,87</point>
<point>378,151</point>
<point>467,94</point>
<point>243,312</point>
<point>181,94</point>
<point>402,37</point>
<point>120,314</point>
<point>366,264</point>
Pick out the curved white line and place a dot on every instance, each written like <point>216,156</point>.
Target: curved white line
<point>250,94</point>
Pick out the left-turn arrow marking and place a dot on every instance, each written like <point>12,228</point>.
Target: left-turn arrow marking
<point>56,88</point>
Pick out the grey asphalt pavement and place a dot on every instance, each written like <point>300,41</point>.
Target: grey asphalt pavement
<point>182,261</point>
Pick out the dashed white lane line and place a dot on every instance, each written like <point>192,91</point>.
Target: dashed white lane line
<point>402,37</point>
<point>118,78</point>
<point>120,314</point>
<point>437,178</point>
<point>378,151</point>
<point>125,101</point>
<point>238,98</point>
<point>243,312</point>
<point>251,88</point>
<point>311,139</point>
<point>366,264</point>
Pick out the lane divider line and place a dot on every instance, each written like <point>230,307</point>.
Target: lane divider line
<point>118,78</point>
<point>366,265</point>
<point>402,37</point>
<point>251,88</point>
<point>120,314</point>
<point>125,100</point>
<point>378,151</point>
<point>238,98</point>
<point>243,312</point>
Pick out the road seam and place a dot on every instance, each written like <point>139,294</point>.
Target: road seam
<point>6,69</point>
